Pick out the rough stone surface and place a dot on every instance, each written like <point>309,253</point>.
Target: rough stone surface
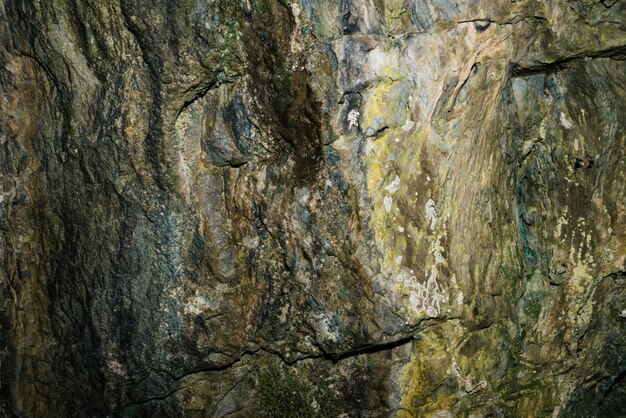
<point>353,208</point>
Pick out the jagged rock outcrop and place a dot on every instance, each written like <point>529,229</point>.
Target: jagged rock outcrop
<point>313,208</point>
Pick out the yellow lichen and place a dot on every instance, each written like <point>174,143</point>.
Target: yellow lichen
<point>430,364</point>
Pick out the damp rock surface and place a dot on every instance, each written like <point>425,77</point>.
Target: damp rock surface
<point>353,208</point>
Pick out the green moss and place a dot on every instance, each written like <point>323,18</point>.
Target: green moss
<point>522,392</point>
<point>532,309</point>
<point>283,394</point>
<point>535,400</point>
<point>516,349</point>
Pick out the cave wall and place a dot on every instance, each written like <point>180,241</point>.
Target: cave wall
<point>317,208</point>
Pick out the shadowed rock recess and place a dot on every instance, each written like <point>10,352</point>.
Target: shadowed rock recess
<point>313,208</point>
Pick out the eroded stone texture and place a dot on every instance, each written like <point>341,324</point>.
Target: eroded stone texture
<point>313,208</point>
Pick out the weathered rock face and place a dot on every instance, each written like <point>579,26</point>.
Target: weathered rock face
<point>316,208</point>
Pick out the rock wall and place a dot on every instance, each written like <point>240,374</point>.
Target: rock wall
<point>352,208</point>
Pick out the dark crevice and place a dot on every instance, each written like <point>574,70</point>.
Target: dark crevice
<point>197,96</point>
<point>485,21</point>
<point>190,373</point>
<point>379,132</point>
<point>333,357</point>
<point>617,53</point>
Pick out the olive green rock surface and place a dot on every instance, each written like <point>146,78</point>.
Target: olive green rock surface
<point>315,208</point>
